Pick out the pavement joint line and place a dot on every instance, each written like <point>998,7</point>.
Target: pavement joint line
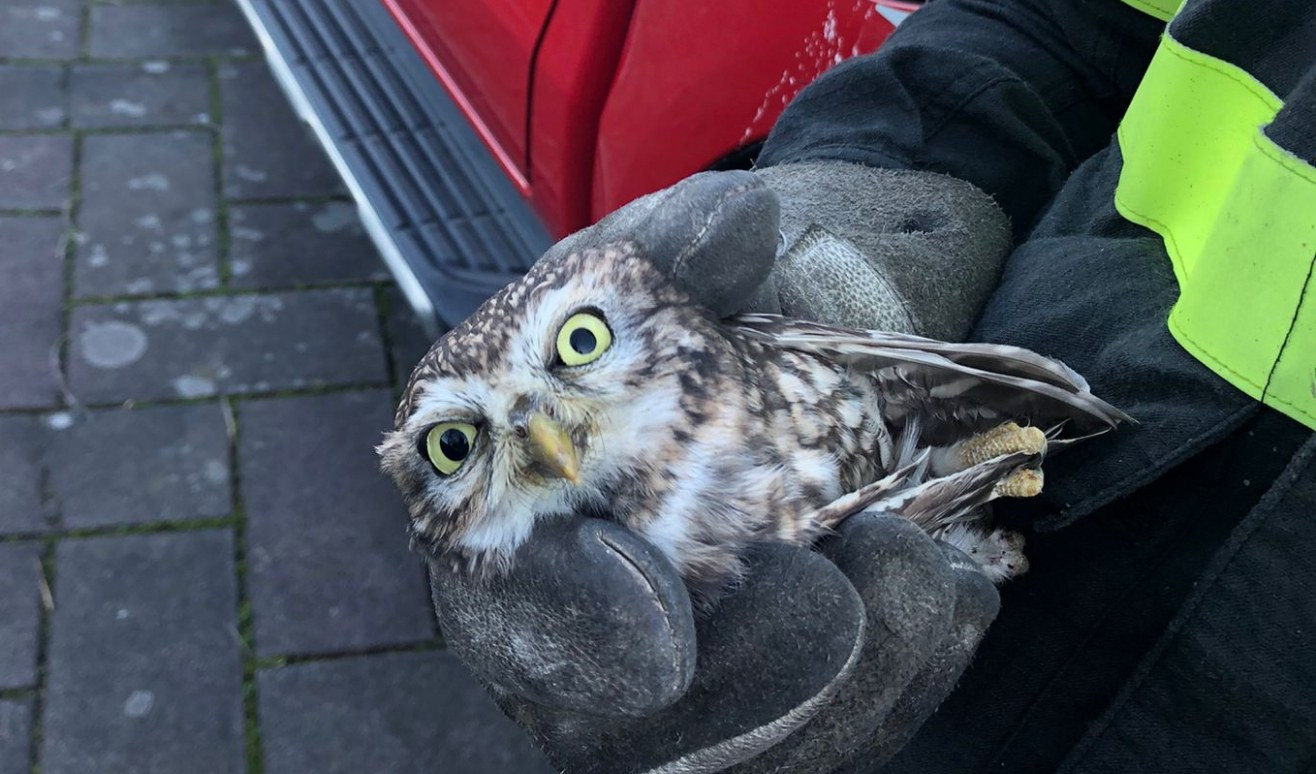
<point>124,530</point>
<point>226,292</point>
<point>382,310</point>
<point>129,404</point>
<point>43,649</point>
<point>69,244</point>
<point>111,130</point>
<point>31,213</point>
<point>252,748</point>
<point>223,244</point>
<point>281,660</point>
<point>87,59</point>
<point>17,694</point>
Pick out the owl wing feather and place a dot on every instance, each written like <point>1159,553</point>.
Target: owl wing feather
<point>955,389</point>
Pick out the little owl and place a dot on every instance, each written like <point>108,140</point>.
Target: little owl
<point>594,385</point>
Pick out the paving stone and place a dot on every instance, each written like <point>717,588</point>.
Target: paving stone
<point>31,97</point>
<point>131,466</point>
<point>137,31</point>
<point>144,671</point>
<point>20,613</point>
<point>327,558</point>
<point>407,338</point>
<point>147,220</point>
<point>22,475</point>
<point>40,29</point>
<point>300,243</point>
<point>233,344</point>
<point>396,712</point>
<point>154,93</point>
<point>35,171</point>
<point>15,735</point>
<point>31,301</point>
<point>268,152</point>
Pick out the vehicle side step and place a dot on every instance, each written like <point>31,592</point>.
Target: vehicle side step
<point>450,225</point>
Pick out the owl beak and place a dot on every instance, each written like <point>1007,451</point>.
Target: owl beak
<point>551,446</point>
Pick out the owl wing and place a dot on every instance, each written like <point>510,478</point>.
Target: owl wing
<point>955,389</point>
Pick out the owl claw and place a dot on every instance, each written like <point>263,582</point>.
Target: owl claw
<point>1005,438</point>
<point>1025,482</point>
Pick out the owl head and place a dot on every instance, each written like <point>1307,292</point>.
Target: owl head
<point>550,399</point>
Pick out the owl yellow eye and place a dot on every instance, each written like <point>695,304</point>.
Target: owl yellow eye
<point>583,339</point>
<point>448,444</point>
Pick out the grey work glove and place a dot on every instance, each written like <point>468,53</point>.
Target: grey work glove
<point>820,661</point>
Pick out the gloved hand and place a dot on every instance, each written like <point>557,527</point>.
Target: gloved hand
<point>821,661</point>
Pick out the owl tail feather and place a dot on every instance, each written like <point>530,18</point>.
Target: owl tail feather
<point>954,498</point>
<point>865,496</point>
<point>933,504</point>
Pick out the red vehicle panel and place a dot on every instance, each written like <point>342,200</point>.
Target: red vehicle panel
<point>588,104</point>
<point>693,87</point>
<point>483,52</point>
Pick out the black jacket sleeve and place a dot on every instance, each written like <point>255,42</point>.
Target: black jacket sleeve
<point>1010,95</point>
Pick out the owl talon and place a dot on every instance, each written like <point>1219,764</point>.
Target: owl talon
<point>1005,438</point>
<point>1026,482</point>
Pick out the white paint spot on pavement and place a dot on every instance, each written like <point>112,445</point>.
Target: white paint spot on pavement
<point>112,344</point>
<point>191,386</point>
<point>139,704</point>
<point>99,257</point>
<point>251,175</point>
<point>150,221</point>
<point>156,67</point>
<point>60,420</point>
<point>152,182</point>
<point>123,107</point>
<point>333,219</point>
<point>49,115</point>
<point>216,471</point>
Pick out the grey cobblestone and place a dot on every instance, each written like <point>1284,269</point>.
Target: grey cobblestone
<point>40,29</point>
<point>23,475</point>
<point>398,713</point>
<point>35,171</point>
<point>132,466</point>
<point>300,243</point>
<point>407,338</point>
<point>31,297</point>
<point>15,729</point>
<point>327,554</point>
<point>268,152</point>
<point>20,612</point>
<point>31,97</point>
<point>147,222</point>
<point>168,30</point>
<point>193,348</point>
<point>145,673</point>
<point>152,93</point>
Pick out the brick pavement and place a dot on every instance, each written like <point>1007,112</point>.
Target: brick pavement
<point>200,568</point>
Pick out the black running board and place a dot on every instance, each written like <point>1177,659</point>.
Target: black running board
<point>449,224</point>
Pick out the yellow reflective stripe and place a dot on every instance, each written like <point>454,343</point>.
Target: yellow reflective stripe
<point>1238,216</point>
<point>1161,9</point>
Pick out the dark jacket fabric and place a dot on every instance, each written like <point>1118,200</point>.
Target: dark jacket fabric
<point>1168,622</point>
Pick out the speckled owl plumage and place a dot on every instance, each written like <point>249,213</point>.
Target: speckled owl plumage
<point>706,435</point>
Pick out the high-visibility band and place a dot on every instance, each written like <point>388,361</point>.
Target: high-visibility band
<point>1238,216</point>
<point>1161,9</point>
